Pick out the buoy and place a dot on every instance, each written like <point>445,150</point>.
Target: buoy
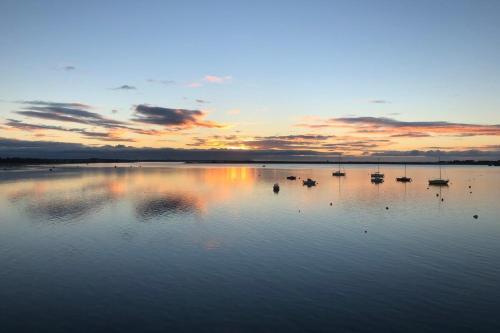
<point>437,194</point>
<point>331,203</point>
<point>475,216</point>
<point>442,199</point>
<point>386,207</point>
<point>469,186</point>
<point>366,231</point>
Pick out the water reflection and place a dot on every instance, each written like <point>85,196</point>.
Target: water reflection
<point>60,208</point>
<point>73,193</point>
<point>166,205</point>
<point>157,191</point>
<point>61,200</point>
<point>240,254</point>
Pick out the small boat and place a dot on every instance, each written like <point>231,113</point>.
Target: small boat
<point>377,175</point>
<point>404,179</point>
<point>339,172</point>
<point>309,182</point>
<point>276,188</point>
<point>439,181</point>
<point>376,180</point>
<point>291,177</point>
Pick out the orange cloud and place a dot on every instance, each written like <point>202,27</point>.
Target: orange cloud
<point>395,127</point>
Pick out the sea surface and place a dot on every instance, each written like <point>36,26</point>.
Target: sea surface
<point>157,247</point>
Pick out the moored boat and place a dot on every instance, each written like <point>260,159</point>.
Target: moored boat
<point>404,179</point>
<point>309,182</point>
<point>439,181</point>
<point>377,174</point>
<point>339,172</point>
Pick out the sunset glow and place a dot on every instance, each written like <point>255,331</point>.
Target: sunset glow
<point>323,87</point>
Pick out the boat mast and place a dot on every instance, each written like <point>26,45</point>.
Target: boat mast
<point>439,167</point>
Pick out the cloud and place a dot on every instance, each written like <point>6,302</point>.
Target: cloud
<point>125,87</point>
<point>378,101</point>
<point>410,135</point>
<point>56,104</point>
<point>358,145</point>
<point>324,144</point>
<point>174,118</point>
<point>393,126</point>
<point>275,142</point>
<point>441,127</point>
<point>106,136</point>
<point>62,150</point>
<point>217,79</point>
<point>67,68</point>
<point>164,82</point>
<point>210,79</point>
<point>194,85</point>
<point>67,112</point>
<point>443,154</point>
<point>77,113</point>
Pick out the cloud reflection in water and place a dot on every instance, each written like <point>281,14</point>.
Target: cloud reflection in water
<point>166,205</point>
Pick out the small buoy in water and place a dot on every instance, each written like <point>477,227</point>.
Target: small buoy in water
<point>437,194</point>
<point>387,207</point>
<point>299,210</point>
<point>442,199</point>
<point>331,203</point>
<point>276,188</point>
<point>470,192</point>
<point>115,166</point>
<point>427,188</point>
<point>469,186</point>
<point>475,216</point>
<point>50,169</point>
<point>366,231</point>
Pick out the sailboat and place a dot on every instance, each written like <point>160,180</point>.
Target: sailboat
<point>439,181</point>
<point>339,172</point>
<point>404,179</point>
<point>377,175</point>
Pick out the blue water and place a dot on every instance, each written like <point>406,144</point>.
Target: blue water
<point>210,248</point>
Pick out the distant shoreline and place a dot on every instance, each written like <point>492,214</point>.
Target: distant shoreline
<point>37,161</point>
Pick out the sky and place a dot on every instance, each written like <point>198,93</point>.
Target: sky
<point>289,78</point>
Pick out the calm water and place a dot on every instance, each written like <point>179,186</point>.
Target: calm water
<point>212,248</point>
